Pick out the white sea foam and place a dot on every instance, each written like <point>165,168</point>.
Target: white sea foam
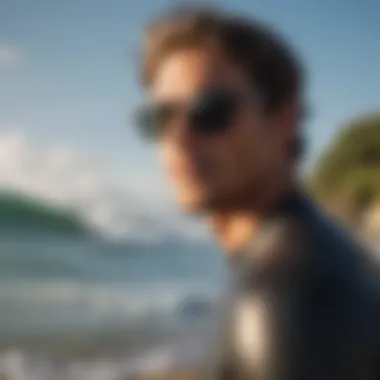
<point>18,365</point>
<point>44,359</point>
<point>123,300</point>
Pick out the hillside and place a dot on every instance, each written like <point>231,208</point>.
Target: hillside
<point>22,212</point>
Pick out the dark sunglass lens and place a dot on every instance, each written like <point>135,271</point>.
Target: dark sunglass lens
<point>144,121</point>
<point>152,120</point>
<point>212,112</point>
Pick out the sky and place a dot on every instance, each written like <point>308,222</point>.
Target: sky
<point>68,78</point>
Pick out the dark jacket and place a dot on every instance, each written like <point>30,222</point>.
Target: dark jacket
<point>306,302</point>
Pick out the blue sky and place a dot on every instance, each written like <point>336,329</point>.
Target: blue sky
<point>67,70</point>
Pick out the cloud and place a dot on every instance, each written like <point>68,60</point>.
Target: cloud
<point>9,56</point>
<point>62,176</point>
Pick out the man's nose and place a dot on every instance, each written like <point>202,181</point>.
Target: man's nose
<point>181,131</point>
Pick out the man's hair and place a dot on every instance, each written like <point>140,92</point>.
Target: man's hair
<point>268,60</point>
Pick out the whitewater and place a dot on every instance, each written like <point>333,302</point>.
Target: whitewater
<point>78,306</point>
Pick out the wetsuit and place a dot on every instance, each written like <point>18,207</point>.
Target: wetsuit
<point>306,302</point>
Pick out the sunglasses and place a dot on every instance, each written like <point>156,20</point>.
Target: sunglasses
<point>210,112</point>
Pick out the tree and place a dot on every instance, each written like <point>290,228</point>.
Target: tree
<point>346,178</point>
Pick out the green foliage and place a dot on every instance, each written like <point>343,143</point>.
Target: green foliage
<point>349,168</point>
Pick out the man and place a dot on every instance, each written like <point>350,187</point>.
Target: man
<point>226,106</point>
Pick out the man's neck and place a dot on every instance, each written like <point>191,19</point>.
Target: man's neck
<point>235,228</point>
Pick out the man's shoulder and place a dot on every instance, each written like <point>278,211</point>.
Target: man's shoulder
<point>311,230</point>
<point>307,239</point>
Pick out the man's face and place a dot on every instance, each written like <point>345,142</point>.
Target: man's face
<point>219,166</point>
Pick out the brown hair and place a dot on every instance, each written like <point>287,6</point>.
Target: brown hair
<point>269,61</point>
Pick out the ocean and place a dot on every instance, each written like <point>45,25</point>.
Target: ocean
<point>77,307</point>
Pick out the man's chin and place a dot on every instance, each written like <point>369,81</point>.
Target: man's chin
<point>209,204</point>
<point>193,208</point>
<point>198,205</point>
<point>193,205</point>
